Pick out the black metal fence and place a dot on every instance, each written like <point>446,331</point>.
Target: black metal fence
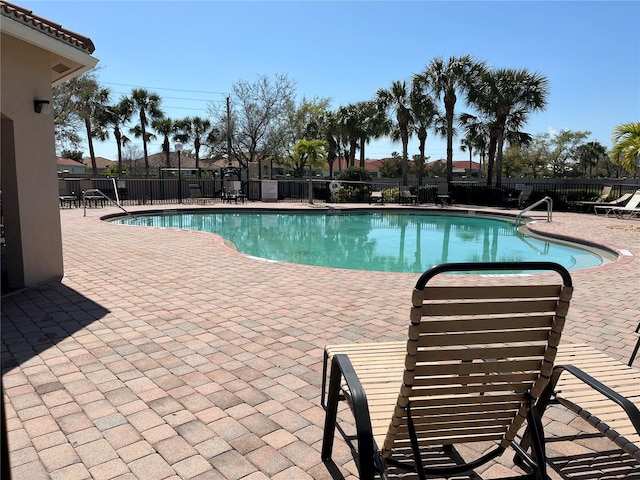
<point>141,191</point>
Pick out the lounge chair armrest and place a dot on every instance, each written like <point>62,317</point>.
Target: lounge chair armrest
<point>629,407</point>
<point>341,367</point>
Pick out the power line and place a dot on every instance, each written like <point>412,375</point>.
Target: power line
<point>179,98</point>
<point>165,88</point>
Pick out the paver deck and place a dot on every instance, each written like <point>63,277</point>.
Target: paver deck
<point>166,354</point>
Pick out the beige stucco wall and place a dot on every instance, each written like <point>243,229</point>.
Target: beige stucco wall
<point>29,180</point>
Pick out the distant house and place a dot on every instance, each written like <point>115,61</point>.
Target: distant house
<point>101,162</point>
<point>69,166</point>
<point>158,161</point>
<point>461,168</point>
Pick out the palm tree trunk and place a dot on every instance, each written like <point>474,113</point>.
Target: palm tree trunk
<point>490,162</point>
<point>92,154</point>
<point>449,105</point>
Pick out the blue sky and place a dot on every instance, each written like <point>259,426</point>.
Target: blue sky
<point>191,52</point>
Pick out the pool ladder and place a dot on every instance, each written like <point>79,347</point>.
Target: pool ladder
<point>547,200</point>
<point>103,195</point>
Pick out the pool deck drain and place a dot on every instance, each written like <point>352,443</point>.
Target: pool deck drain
<point>165,354</point>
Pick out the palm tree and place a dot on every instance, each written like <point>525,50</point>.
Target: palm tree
<point>372,123</point>
<point>311,153</point>
<point>165,127</point>
<point>148,107</point>
<point>444,79</point>
<point>425,116</point>
<point>626,145</point>
<point>116,116</point>
<point>88,100</point>
<point>347,121</point>
<point>360,122</point>
<point>397,99</point>
<point>506,96</point>
<point>476,135</point>
<point>589,155</point>
<point>196,129</point>
<point>328,128</point>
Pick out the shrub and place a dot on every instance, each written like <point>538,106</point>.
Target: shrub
<point>355,174</point>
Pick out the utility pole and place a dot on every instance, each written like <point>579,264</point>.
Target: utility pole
<point>228,132</point>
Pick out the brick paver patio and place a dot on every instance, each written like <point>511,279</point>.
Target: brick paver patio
<point>165,354</point>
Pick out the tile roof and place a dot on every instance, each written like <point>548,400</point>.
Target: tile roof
<point>54,30</point>
<point>68,161</point>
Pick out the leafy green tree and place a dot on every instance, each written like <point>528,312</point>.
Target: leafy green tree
<point>355,174</point>
<point>114,171</point>
<point>311,120</point>
<point>307,155</point>
<point>626,146</point>
<point>437,169</point>
<point>147,105</point>
<point>397,99</point>
<point>445,79</point>
<point>562,148</point>
<point>312,154</point>
<point>391,168</point>
<point>66,122</point>
<point>76,155</point>
<point>513,164</point>
<point>535,156</point>
<point>506,96</point>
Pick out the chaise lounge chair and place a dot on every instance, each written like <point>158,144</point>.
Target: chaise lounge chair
<point>376,196</point>
<point>195,194</point>
<point>631,208</point>
<point>522,197</point>
<point>602,198</point>
<point>406,196</point>
<point>476,359</point>
<point>600,389</point>
<point>442,196</point>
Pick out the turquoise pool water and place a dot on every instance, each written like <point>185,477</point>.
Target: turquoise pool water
<point>389,242</point>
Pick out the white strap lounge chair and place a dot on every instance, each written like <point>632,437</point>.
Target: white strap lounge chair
<point>631,209</point>
<point>475,361</point>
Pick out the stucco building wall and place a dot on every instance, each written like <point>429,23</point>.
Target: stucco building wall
<point>29,185</point>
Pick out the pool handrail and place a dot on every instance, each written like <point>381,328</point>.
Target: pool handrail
<point>102,194</point>
<point>548,200</point>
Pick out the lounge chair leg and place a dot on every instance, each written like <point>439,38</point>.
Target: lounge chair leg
<point>341,366</point>
<point>331,412</point>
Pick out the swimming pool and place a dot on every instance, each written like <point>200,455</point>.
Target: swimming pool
<point>388,242</point>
